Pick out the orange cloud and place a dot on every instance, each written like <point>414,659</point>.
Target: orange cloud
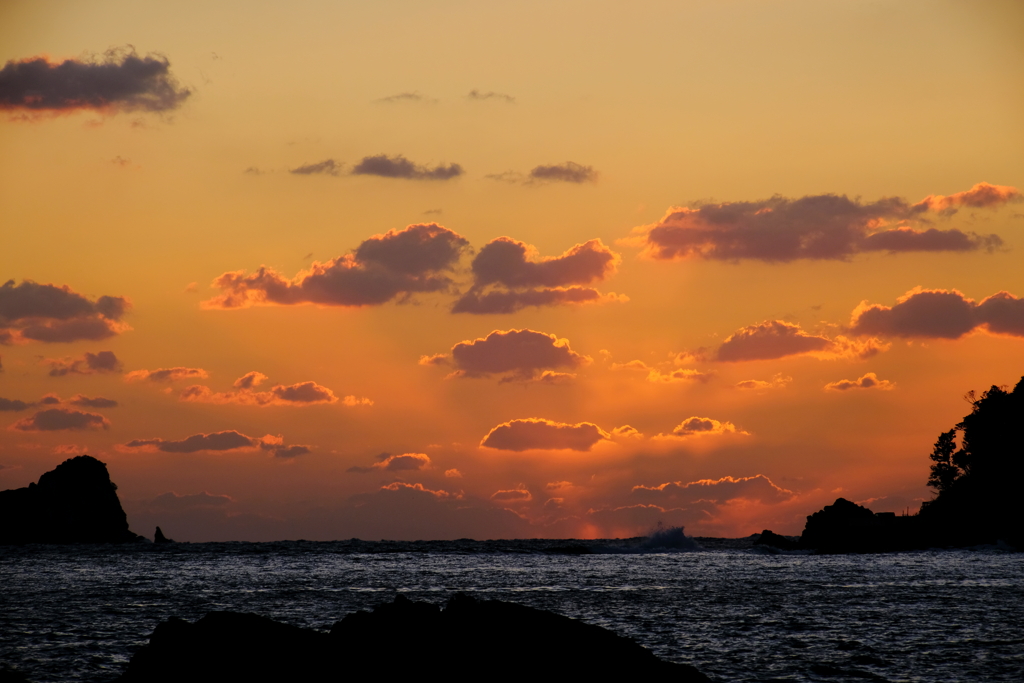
<point>402,486</point>
<point>514,355</point>
<point>61,419</point>
<point>868,381</point>
<point>217,442</point>
<point>397,463</point>
<point>48,313</point>
<point>397,264</point>
<point>758,487</point>
<point>508,275</point>
<point>165,374</point>
<point>812,227</point>
<point>541,434</point>
<point>774,339</point>
<point>778,381</point>
<point>940,314</point>
<point>518,495</point>
<point>982,195</point>
<point>88,364</point>
<point>701,426</point>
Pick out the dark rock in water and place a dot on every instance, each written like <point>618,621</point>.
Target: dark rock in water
<point>845,527</point>
<point>9,675</point>
<point>74,503</point>
<point>159,537</point>
<point>469,638</point>
<point>774,540</point>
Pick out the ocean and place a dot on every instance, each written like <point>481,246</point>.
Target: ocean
<point>735,612</point>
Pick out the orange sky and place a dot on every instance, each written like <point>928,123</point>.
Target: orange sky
<point>407,270</point>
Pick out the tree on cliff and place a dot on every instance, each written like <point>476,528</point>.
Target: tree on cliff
<point>978,483</point>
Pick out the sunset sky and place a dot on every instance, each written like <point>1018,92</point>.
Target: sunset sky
<point>418,270</point>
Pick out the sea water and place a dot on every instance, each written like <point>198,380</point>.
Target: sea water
<point>736,613</point>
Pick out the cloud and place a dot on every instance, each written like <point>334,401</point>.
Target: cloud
<point>679,375</point>
<point>541,434</point>
<point>394,265</point>
<point>397,463</point>
<point>981,196</point>
<point>49,400</point>
<point>517,277</point>
<point>569,172</point>
<point>512,496</point>
<point>694,426</point>
<point>217,442</point>
<point>119,81</point>
<point>406,97</point>
<point>353,401</point>
<point>940,314</point>
<point>757,488</point>
<point>773,339</point>
<point>165,374</point>
<point>13,405</point>
<point>475,94</point>
<point>303,393</point>
<point>58,419</point>
<point>250,380</point>
<point>48,313</point>
<point>399,167</point>
<point>812,227</point>
<point>90,363</point>
<point>453,473</point>
<point>868,381</point>
<point>325,167</point>
<point>92,402</point>
<point>778,381</point>
<point>521,355</point>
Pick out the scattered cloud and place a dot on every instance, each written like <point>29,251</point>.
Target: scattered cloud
<point>325,167</point>
<point>813,227</point>
<point>773,339</point>
<point>117,81</point>
<point>758,488</point>
<point>165,374</point>
<point>303,393</point>
<point>406,97</point>
<point>353,401</point>
<point>508,275</point>
<point>59,419</point>
<point>778,381</point>
<point>48,313</point>
<point>868,381</point>
<point>84,401</point>
<point>541,434</point>
<point>520,495</point>
<point>701,426</point>
<point>940,314</point>
<point>397,264</point>
<point>397,463</point>
<point>453,473</point>
<point>679,375</point>
<point>399,167</point>
<point>477,95</point>
<point>216,442</point>
<point>11,405</point>
<point>569,172</point>
<point>90,363</point>
<point>513,355</point>
<point>250,380</point>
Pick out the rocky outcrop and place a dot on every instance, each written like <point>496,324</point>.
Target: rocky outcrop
<point>773,540</point>
<point>470,638</point>
<point>845,527</point>
<point>74,503</point>
<point>159,538</point>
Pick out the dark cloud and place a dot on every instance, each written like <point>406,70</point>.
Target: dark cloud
<point>419,258</point>
<point>779,339</point>
<point>940,314</point>
<point>90,363</point>
<point>537,433</point>
<point>475,94</point>
<point>406,97</point>
<point>229,440</point>
<point>50,400</point>
<point>92,402</point>
<point>48,313</point>
<point>326,167</point>
<point>13,405</point>
<point>868,381</point>
<point>569,172</point>
<point>120,80</point>
<point>396,463</point>
<point>694,426</point>
<point>756,488</point>
<point>165,374</point>
<point>515,355</point>
<point>56,419</point>
<point>399,167</point>
<point>508,275</point>
<point>813,227</point>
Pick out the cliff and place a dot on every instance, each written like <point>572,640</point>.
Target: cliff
<point>74,503</point>
<point>468,639</point>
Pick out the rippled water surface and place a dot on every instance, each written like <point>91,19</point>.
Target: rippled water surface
<point>737,614</point>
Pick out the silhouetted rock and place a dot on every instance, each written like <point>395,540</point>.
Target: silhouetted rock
<point>74,503</point>
<point>468,639</point>
<point>158,537</point>
<point>774,540</point>
<point>845,527</point>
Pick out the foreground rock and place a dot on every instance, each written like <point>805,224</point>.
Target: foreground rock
<point>469,638</point>
<point>74,503</point>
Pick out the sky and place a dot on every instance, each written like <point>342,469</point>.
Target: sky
<point>403,270</point>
